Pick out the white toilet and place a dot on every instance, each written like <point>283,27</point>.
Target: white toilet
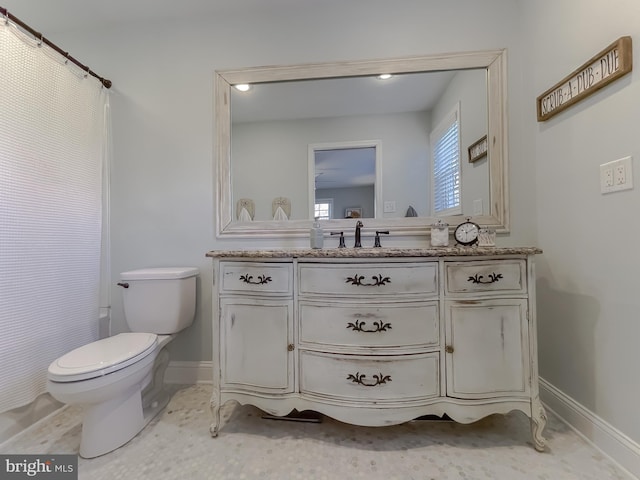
<point>118,380</point>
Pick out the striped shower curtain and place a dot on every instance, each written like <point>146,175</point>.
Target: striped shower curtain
<point>52,138</point>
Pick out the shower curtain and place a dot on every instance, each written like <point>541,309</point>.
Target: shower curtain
<point>52,147</point>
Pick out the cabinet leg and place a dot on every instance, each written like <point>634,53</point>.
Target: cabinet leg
<point>214,405</point>
<point>538,422</point>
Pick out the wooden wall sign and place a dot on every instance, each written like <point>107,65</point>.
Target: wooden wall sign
<point>610,64</point>
<point>478,149</point>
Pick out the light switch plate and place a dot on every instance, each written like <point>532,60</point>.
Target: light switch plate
<point>477,206</point>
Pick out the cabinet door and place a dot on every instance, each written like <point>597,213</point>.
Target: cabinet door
<point>254,344</point>
<point>487,348</point>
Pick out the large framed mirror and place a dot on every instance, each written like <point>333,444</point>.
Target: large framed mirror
<point>276,144</point>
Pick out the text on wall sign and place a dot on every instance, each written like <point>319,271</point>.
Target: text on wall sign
<point>605,67</point>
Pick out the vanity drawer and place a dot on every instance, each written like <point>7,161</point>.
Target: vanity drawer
<point>366,325</point>
<point>256,278</point>
<point>367,379</point>
<point>503,276</point>
<point>369,279</point>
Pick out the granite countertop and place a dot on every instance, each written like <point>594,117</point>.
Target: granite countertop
<point>374,252</point>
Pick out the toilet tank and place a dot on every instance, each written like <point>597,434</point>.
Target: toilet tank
<point>159,300</point>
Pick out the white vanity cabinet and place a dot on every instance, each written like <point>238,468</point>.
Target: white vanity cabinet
<point>255,305</point>
<point>486,321</point>
<point>377,336</point>
<point>487,351</point>
<point>254,355</point>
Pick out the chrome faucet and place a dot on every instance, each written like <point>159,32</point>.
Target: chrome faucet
<point>359,225</point>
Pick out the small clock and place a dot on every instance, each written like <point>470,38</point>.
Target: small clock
<point>467,233</point>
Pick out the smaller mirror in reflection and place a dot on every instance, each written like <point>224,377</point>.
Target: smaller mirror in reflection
<point>345,181</point>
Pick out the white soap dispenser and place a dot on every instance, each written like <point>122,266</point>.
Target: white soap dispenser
<point>316,234</point>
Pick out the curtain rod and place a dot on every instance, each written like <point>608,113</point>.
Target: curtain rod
<point>37,35</point>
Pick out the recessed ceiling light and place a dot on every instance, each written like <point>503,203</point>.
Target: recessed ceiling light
<point>243,87</point>
<point>385,76</point>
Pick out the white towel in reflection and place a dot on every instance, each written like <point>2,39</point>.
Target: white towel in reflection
<point>244,215</point>
<point>280,215</point>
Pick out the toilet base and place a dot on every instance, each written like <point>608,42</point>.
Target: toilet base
<point>106,427</point>
<point>109,425</point>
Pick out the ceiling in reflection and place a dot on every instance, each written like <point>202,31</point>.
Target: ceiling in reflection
<point>339,97</point>
<point>345,167</point>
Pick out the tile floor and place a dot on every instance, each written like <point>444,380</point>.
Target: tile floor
<point>177,445</point>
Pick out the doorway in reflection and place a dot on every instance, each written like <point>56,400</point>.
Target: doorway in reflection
<point>345,178</point>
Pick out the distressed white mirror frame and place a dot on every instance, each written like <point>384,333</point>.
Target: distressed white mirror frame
<point>495,63</point>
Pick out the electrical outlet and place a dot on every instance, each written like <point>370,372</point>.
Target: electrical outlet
<point>621,177</point>
<point>616,175</point>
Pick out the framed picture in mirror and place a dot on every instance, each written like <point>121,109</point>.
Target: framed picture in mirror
<point>478,149</point>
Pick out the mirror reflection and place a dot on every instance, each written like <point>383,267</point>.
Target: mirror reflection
<point>274,125</point>
<point>344,181</point>
<point>422,119</point>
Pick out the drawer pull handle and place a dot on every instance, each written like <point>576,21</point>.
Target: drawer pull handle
<point>377,281</point>
<point>358,326</point>
<point>493,277</point>
<point>448,349</point>
<point>262,279</point>
<point>359,379</point>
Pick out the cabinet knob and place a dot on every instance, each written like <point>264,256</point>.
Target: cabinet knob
<point>290,347</point>
<point>448,349</point>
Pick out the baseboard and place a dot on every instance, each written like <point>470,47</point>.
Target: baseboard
<point>189,372</point>
<point>610,441</point>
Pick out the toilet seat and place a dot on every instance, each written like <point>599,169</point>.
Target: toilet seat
<point>102,357</point>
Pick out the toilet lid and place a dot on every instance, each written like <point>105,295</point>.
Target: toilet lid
<point>102,357</point>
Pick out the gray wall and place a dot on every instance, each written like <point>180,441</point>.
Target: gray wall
<point>404,143</point>
<point>163,195</point>
<point>463,89</point>
<point>162,102</point>
<point>588,284</point>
